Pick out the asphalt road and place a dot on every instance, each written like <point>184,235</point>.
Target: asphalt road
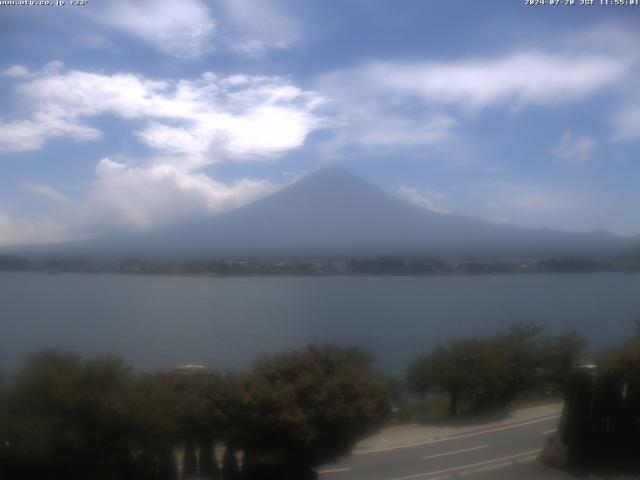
<point>504,452</point>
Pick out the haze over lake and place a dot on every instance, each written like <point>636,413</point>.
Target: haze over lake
<point>156,322</point>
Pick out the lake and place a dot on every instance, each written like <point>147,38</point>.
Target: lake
<point>156,322</point>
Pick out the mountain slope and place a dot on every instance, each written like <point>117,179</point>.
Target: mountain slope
<point>333,212</point>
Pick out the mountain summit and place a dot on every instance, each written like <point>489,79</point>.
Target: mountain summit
<point>333,212</point>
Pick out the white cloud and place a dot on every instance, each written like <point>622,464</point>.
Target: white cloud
<point>413,104</point>
<point>257,26</point>
<point>423,199</point>
<point>46,191</point>
<point>187,124</point>
<point>140,198</point>
<point>77,93</point>
<point>203,120</point>
<point>29,135</point>
<point>379,132</point>
<point>516,80</point>
<point>626,122</point>
<point>20,232</point>
<point>190,29</point>
<point>184,29</point>
<point>362,118</point>
<point>574,148</point>
<point>129,198</point>
<point>15,71</point>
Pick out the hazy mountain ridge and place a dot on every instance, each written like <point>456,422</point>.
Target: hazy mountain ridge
<point>333,212</point>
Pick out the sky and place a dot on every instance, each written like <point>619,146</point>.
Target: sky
<point>129,115</point>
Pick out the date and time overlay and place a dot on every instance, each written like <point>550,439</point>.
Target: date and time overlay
<point>531,3</point>
<point>582,3</point>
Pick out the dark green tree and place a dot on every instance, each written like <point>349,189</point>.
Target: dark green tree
<point>623,362</point>
<point>559,356</point>
<point>67,419</point>
<point>188,410</point>
<point>473,374</point>
<point>305,408</point>
<point>482,373</point>
<point>539,363</point>
<point>154,409</point>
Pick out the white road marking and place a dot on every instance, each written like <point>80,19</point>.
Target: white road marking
<point>550,431</point>
<point>456,437</point>
<point>334,470</point>
<point>464,467</point>
<point>455,451</point>
<point>494,466</point>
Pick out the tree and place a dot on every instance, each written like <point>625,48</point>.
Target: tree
<point>192,410</point>
<point>92,419</point>
<point>473,373</point>
<point>489,372</point>
<point>66,419</point>
<point>539,363</point>
<point>154,408</point>
<point>305,408</point>
<point>520,344</point>
<point>601,421</point>
<point>623,362</point>
<point>559,356</point>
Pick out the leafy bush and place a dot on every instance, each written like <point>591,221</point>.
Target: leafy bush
<point>479,374</point>
<point>309,407</point>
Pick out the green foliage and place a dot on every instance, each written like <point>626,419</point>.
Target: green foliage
<point>434,407</point>
<point>484,373</point>
<point>472,372</point>
<point>153,410</point>
<point>309,407</point>
<point>202,401</point>
<point>66,418</point>
<point>623,362</point>
<point>558,357</point>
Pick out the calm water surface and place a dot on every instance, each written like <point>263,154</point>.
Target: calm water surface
<point>159,321</point>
